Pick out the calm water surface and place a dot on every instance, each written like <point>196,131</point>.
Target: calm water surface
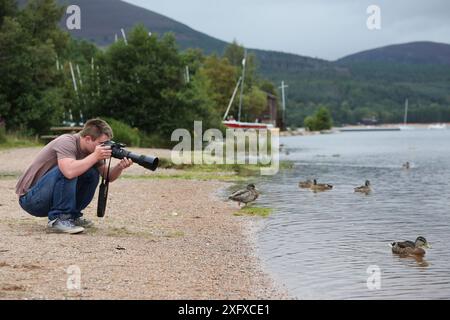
<point>320,245</point>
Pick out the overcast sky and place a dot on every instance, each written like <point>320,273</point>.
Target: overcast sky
<point>327,29</point>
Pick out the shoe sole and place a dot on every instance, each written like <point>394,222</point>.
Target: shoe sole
<point>73,231</point>
<point>87,226</point>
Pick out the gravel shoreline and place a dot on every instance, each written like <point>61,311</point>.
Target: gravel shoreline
<point>160,239</point>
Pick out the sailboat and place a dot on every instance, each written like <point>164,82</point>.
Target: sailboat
<point>230,122</point>
<point>405,119</point>
<point>405,126</point>
<point>437,126</point>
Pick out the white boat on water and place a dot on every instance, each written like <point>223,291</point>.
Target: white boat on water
<point>437,126</point>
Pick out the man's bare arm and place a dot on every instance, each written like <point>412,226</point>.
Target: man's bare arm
<point>72,168</point>
<point>116,171</point>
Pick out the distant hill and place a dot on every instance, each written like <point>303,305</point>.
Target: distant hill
<point>408,53</point>
<point>373,83</point>
<point>103,19</point>
<point>370,83</point>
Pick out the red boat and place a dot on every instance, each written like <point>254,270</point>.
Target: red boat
<point>246,125</point>
<point>230,122</point>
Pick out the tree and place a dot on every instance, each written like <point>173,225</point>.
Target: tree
<point>235,55</point>
<point>268,86</point>
<point>221,79</point>
<point>30,88</point>
<point>255,103</point>
<point>142,84</point>
<point>193,58</point>
<point>41,19</point>
<point>310,123</point>
<point>321,120</point>
<point>8,8</point>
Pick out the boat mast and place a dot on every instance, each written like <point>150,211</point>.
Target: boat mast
<point>242,84</point>
<point>283,86</point>
<point>232,98</point>
<point>405,119</point>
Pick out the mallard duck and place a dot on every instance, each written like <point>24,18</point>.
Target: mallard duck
<point>320,186</point>
<point>406,165</point>
<point>305,184</point>
<point>410,248</point>
<point>246,195</point>
<point>365,188</point>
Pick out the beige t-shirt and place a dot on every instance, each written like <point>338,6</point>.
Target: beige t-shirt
<point>65,146</point>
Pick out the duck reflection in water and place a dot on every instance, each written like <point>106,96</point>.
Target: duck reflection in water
<point>420,261</point>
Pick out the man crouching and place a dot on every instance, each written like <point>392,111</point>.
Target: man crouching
<point>61,180</point>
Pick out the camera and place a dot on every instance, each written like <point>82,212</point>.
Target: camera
<point>118,152</point>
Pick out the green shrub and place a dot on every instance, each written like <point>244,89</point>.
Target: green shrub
<point>2,134</point>
<point>310,123</point>
<point>154,141</point>
<point>124,133</point>
<point>321,120</point>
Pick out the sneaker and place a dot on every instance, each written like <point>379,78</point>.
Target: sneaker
<point>82,222</point>
<point>63,226</point>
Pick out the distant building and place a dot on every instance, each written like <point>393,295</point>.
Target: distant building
<point>270,115</point>
<point>369,121</point>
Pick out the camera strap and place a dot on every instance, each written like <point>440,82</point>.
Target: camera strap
<point>106,180</point>
<point>103,192</point>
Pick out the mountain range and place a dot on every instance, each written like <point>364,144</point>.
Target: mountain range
<point>373,82</point>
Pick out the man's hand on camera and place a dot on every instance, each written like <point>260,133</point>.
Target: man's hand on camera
<point>125,163</point>
<point>102,152</point>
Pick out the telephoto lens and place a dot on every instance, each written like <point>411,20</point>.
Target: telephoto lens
<point>147,162</point>
<point>118,152</point>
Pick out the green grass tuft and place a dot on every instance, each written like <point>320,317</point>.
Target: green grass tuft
<point>254,211</point>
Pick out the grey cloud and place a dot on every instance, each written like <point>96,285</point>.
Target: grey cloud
<point>327,29</point>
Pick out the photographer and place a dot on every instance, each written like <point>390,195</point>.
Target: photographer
<point>62,179</point>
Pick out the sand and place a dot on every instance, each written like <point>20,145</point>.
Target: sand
<point>159,239</point>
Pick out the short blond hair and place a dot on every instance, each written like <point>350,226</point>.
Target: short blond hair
<point>96,128</point>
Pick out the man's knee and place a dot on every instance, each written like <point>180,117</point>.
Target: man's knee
<point>32,204</point>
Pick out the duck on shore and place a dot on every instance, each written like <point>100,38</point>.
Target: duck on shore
<point>247,195</point>
<point>365,188</point>
<point>410,248</point>
<point>320,186</point>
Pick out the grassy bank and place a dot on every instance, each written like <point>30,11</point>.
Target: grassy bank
<point>16,140</point>
<point>241,169</point>
<point>189,176</point>
<point>204,172</point>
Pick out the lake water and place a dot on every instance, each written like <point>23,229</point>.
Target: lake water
<point>320,245</point>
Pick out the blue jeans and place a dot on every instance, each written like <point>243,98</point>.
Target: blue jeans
<point>54,194</point>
